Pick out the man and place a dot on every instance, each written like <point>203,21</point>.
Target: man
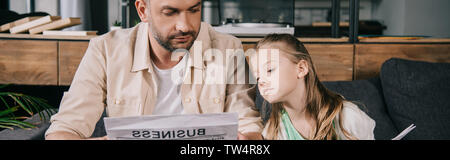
<point>125,72</point>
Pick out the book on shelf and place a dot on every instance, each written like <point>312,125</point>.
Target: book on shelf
<point>32,24</point>
<point>70,33</point>
<point>59,24</point>
<point>7,26</point>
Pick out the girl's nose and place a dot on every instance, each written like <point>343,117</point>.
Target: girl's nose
<point>262,82</point>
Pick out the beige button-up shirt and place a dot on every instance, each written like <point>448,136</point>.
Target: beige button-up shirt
<point>116,74</point>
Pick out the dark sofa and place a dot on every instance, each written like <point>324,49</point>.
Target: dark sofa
<point>405,92</point>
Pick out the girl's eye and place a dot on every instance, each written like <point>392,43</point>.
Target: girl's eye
<point>270,70</point>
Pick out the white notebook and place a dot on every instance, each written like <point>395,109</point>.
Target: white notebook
<point>404,132</point>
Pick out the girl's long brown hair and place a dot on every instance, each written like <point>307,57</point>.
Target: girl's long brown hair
<point>322,104</point>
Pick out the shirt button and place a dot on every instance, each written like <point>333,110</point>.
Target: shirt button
<point>216,100</point>
<point>188,100</point>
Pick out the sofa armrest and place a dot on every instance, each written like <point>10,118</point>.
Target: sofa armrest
<point>36,133</point>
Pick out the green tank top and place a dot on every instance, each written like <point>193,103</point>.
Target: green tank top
<point>292,133</point>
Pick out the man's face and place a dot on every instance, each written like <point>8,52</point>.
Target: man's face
<point>174,23</point>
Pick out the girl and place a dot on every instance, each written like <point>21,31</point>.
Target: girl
<point>302,108</point>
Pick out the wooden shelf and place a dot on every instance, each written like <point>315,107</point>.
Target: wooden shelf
<point>422,40</point>
<point>304,40</point>
<point>45,37</point>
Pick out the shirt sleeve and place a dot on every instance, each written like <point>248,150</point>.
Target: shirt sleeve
<point>240,99</point>
<point>82,106</point>
<point>357,123</point>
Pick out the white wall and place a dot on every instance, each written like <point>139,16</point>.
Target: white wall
<point>19,6</point>
<point>114,11</point>
<point>392,14</point>
<point>414,17</point>
<point>427,17</point>
<point>48,6</point>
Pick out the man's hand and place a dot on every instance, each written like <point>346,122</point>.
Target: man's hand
<point>250,136</point>
<point>70,136</point>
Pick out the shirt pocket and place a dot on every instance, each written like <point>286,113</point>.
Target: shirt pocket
<point>123,107</point>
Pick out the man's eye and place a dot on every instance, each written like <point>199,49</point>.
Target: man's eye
<point>169,13</point>
<point>194,10</point>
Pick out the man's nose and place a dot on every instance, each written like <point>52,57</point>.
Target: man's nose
<point>182,23</point>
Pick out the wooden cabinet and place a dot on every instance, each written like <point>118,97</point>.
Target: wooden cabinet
<point>36,60</point>
<point>333,62</point>
<point>70,55</point>
<point>370,57</point>
<point>28,62</point>
<point>40,62</point>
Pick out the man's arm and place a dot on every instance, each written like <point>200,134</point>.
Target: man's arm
<point>82,106</point>
<point>250,136</point>
<point>60,135</point>
<point>240,98</point>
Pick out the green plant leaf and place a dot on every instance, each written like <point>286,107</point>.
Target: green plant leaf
<point>7,127</point>
<point>7,106</point>
<point>25,124</point>
<point>29,104</point>
<point>45,107</point>
<point>21,104</point>
<point>3,86</point>
<point>14,124</point>
<point>16,118</point>
<point>8,111</point>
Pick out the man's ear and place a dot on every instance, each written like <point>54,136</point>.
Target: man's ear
<point>141,7</point>
<point>302,69</point>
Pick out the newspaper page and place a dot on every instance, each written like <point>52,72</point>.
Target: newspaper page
<point>217,126</point>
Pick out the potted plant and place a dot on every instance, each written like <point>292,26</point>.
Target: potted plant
<point>116,25</point>
<point>11,103</point>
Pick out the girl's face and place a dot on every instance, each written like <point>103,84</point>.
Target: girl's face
<point>276,75</point>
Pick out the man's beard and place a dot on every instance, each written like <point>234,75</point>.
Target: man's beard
<point>165,43</point>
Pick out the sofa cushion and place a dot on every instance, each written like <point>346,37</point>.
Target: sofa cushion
<point>418,93</point>
<point>368,96</point>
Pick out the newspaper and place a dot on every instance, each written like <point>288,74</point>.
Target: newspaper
<point>217,126</point>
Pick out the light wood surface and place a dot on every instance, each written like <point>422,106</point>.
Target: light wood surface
<point>393,40</point>
<point>333,62</point>
<point>303,39</point>
<point>32,24</point>
<point>46,37</point>
<point>28,62</point>
<point>54,62</point>
<point>70,55</point>
<point>328,24</point>
<point>370,57</point>
<point>59,24</point>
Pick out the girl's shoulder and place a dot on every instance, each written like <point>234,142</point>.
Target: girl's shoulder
<point>356,121</point>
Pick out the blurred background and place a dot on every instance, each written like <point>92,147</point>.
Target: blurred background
<point>376,17</point>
